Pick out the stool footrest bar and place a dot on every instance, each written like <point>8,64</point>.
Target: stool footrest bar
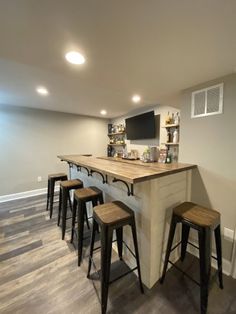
<point>126,273</point>
<point>175,246</point>
<point>184,273</point>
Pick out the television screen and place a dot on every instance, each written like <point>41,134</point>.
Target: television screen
<point>141,126</point>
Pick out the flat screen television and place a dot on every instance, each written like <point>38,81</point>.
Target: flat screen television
<point>141,126</point>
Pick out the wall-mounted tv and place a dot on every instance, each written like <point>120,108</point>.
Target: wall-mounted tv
<point>141,126</point>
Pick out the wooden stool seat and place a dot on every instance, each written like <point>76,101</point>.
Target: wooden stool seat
<point>198,215</point>
<point>52,179</point>
<point>58,176</point>
<point>109,217</point>
<point>71,184</point>
<point>81,197</point>
<point>86,194</point>
<point>65,188</point>
<point>112,213</point>
<point>205,221</point>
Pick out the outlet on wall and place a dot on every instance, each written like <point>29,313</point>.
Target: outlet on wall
<point>229,234</point>
<point>39,179</point>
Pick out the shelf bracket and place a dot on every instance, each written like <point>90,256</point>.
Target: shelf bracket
<point>79,169</point>
<point>104,179</point>
<point>130,190</point>
<point>70,164</point>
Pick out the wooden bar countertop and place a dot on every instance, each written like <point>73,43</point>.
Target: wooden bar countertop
<point>131,171</point>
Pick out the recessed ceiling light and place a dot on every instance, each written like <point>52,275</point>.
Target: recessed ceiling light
<point>42,90</point>
<point>103,112</point>
<point>136,98</point>
<point>75,57</point>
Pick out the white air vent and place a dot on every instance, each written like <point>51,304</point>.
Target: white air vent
<point>207,101</point>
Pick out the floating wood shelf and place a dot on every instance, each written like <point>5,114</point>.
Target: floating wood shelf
<point>170,126</point>
<point>171,144</point>
<point>117,133</point>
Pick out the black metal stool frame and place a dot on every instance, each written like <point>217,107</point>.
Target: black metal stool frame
<point>106,247</point>
<point>80,207</point>
<point>204,239</point>
<point>50,192</point>
<point>64,197</point>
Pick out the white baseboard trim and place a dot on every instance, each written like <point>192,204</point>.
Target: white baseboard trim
<point>226,265</point>
<point>16,196</point>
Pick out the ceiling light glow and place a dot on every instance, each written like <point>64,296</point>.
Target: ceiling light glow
<point>75,57</point>
<point>136,98</point>
<point>42,90</point>
<point>103,112</point>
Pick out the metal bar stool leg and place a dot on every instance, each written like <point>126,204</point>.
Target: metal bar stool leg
<point>94,229</point>
<point>133,226</point>
<point>64,211</point>
<point>48,194</point>
<point>59,207</point>
<point>119,237</point>
<point>69,199</point>
<point>219,254</point>
<point>74,209</point>
<point>81,206</point>
<point>169,246</point>
<point>52,186</point>
<point>86,216</point>
<point>106,244</point>
<point>204,236</point>
<point>95,203</point>
<point>184,242</point>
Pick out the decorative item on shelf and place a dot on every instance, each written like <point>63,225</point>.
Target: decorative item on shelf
<point>176,136</point>
<point>109,128</point>
<point>176,118</point>
<point>112,141</point>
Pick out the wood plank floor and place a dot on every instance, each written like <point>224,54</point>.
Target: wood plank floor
<point>39,273</point>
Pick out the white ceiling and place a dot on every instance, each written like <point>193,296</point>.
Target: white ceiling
<point>155,48</point>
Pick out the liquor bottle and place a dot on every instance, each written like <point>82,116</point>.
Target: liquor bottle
<point>168,139</point>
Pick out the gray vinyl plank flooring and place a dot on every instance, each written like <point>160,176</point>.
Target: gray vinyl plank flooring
<point>39,273</point>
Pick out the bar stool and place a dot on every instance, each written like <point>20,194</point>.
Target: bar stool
<point>81,197</point>
<point>65,188</point>
<point>109,217</point>
<point>52,178</point>
<point>205,221</point>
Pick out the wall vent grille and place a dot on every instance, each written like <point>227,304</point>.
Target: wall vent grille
<point>207,101</point>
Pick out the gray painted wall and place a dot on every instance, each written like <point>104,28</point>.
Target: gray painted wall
<point>31,139</point>
<point>210,142</point>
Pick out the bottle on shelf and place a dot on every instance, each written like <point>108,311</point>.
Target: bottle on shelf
<point>176,136</point>
<point>168,139</point>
